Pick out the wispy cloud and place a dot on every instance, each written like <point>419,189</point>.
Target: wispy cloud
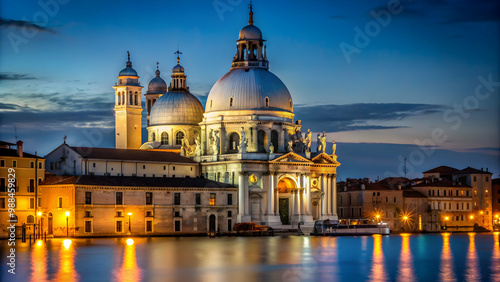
<point>15,76</point>
<point>361,116</point>
<point>24,24</point>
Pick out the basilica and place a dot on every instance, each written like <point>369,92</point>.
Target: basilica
<point>245,136</point>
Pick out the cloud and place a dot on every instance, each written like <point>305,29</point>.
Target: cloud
<point>24,24</point>
<point>5,106</point>
<point>446,12</point>
<point>15,76</point>
<point>361,116</point>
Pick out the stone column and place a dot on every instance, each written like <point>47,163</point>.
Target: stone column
<point>254,145</point>
<point>276,196</point>
<point>241,194</point>
<point>329,198</point>
<point>270,195</point>
<point>334,194</point>
<point>307,195</point>
<point>324,197</point>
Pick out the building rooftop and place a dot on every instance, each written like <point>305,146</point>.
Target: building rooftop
<point>131,155</point>
<point>4,152</point>
<point>470,170</point>
<point>133,181</point>
<point>442,169</point>
<point>410,193</point>
<point>439,182</point>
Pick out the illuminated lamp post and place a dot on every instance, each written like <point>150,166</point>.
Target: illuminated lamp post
<point>129,226</point>
<point>39,226</point>
<point>446,222</point>
<point>67,220</point>
<point>378,218</point>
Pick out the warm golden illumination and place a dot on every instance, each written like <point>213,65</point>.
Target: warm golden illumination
<point>129,271</point>
<point>405,269</point>
<point>66,213</point>
<point>39,262</point>
<point>39,213</point>
<point>130,241</point>
<point>67,243</point>
<point>377,272</point>
<point>471,217</point>
<point>496,215</point>
<point>129,213</point>
<point>481,212</point>
<point>446,268</point>
<point>252,178</point>
<point>446,218</point>
<point>377,216</point>
<point>39,242</point>
<point>405,217</point>
<point>472,264</point>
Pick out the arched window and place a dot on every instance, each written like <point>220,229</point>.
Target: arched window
<point>135,99</point>
<point>267,101</point>
<point>261,141</point>
<point>30,219</point>
<point>153,137</point>
<point>274,140</point>
<point>154,101</point>
<point>178,138</point>
<point>131,98</point>
<point>149,106</point>
<point>231,102</point>
<point>291,105</point>
<point>164,138</point>
<point>119,99</point>
<point>210,104</point>
<point>234,141</point>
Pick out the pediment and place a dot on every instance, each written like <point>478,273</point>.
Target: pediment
<point>291,157</point>
<point>323,158</point>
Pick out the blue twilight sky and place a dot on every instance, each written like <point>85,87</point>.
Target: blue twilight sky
<point>387,80</point>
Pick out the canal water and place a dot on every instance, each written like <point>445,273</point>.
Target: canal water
<point>430,257</point>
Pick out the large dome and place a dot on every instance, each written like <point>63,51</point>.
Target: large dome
<point>250,32</point>
<point>176,108</point>
<point>247,89</point>
<point>157,86</point>
<point>128,71</point>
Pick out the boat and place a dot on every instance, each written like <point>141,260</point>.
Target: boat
<point>349,227</point>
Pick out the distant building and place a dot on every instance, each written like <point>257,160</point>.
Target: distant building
<point>404,209</point>
<point>113,206</point>
<point>480,181</point>
<point>445,172</point>
<point>495,192</point>
<point>448,204</point>
<point>69,160</point>
<point>28,170</point>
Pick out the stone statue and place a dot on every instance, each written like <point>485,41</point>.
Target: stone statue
<point>318,142</point>
<point>334,147</point>
<point>197,150</point>
<point>290,146</point>
<point>271,149</point>
<point>308,141</point>
<point>215,142</point>
<point>243,142</point>
<point>323,142</point>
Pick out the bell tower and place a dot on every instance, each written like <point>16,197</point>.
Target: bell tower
<point>128,109</point>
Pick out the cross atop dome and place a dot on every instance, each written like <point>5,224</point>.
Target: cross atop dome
<point>129,63</point>
<point>250,20</point>
<point>178,53</point>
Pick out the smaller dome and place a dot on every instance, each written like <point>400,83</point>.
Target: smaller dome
<point>176,108</point>
<point>128,71</point>
<point>157,86</point>
<point>178,68</point>
<point>250,32</point>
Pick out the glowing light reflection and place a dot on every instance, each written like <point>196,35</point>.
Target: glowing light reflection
<point>495,258</point>
<point>67,270</point>
<point>39,262</point>
<point>472,272</point>
<point>129,271</point>
<point>378,268</point>
<point>446,269</point>
<point>406,272</point>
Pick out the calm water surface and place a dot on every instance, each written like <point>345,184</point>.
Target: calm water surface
<point>434,257</point>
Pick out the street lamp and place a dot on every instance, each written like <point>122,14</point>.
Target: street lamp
<point>39,226</point>
<point>67,219</point>
<point>129,227</point>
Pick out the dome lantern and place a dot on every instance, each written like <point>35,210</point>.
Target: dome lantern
<point>250,46</point>
<point>178,76</point>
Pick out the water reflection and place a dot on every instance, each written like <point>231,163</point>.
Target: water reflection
<point>446,269</point>
<point>378,266</point>
<point>472,272</point>
<point>39,262</point>
<point>495,258</point>
<point>67,270</point>
<point>406,272</point>
<point>129,271</point>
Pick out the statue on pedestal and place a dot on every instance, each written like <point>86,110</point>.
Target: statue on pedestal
<point>290,146</point>
<point>197,150</point>
<point>322,140</point>
<point>318,142</point>
<point>334,147</point>
<point>271,149</point>
<point>308,141</point>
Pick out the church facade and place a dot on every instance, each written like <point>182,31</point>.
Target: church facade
<point>245,136</point>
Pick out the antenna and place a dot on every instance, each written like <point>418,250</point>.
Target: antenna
<point>15,133</point>
<point>404,168</point>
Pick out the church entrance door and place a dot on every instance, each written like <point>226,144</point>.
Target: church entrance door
<point>211,219</point>
<point>284,211</point>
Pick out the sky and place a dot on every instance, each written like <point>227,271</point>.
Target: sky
<point>387,80</point>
